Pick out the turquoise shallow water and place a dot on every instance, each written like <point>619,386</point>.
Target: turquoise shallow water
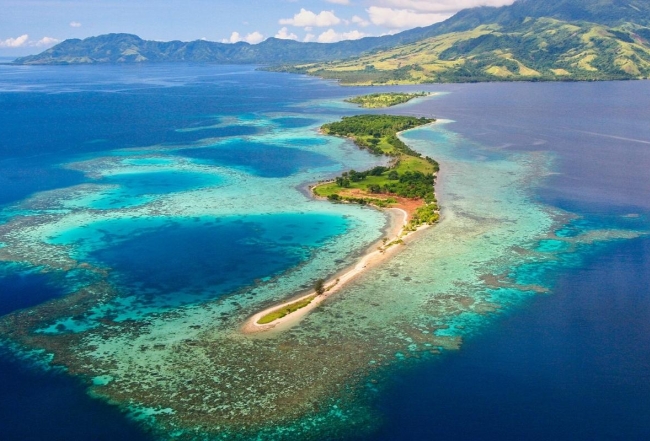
<point>195,215</point>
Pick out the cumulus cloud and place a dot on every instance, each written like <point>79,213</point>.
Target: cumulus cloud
<point>75,24</point>
<point>402,18</point>
<point>15,42</point>
<point>252,38</point>
<point>331,36</point>
<point>24,41</point>
<point>307,18</point>
<point>46,42</point>
<point>339,2</point>
<point>440,6</point>
<point>284,34</point>
<point>360,21</point>
<point>309,37</point>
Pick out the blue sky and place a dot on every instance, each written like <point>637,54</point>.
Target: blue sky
<point>30,26</point>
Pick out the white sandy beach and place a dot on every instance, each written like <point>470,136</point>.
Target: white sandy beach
<point>375,255</point>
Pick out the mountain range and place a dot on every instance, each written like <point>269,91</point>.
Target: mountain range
<point>528,40</point>
<point>128,48</point>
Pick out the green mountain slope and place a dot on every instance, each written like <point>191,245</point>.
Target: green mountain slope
<point>529,40</point>
<point>128,48</point>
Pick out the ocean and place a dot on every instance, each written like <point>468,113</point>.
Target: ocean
<point>147,211</point>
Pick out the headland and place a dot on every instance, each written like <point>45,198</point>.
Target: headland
<point>405,188</point>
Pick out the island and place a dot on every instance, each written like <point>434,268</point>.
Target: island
<point>405,186</point>
<point>408,180</point>
<point>389,99</point>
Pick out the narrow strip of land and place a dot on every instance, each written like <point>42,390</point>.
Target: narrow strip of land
<point>405,187</point>
<point>311,300</point>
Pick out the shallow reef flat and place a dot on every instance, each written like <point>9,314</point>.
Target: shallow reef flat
<point>174,356</point>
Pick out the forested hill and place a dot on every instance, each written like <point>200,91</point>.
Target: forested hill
<point>128,48</point>
<point>528,40</point>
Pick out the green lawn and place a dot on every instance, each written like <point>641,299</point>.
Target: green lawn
<point>414,164</point>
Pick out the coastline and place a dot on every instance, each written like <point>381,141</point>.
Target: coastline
<point>395,234</point>
<point>396,229</point>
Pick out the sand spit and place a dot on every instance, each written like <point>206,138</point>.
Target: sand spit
<point>396,237</point>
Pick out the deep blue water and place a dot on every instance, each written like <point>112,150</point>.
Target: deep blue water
<point>37,405</point>
<point>24,289</point>
<point>167,261</point>
<point>570,365</point>
<point>269,161</point>
<point>21,178</point>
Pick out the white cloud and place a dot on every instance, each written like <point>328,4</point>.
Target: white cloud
<point>360,21</point>
<point>284,34</point>
<point>403,18</point>
<point>309,37</point>
<point>441,6</point>
<point>46,42</point>
<point>307,18</point>
<point>252,38</point>
<point>75,24</point>
<point>331,36</point>
<point>24,41</point>
<point>15,42</point>
<point>339,2</point>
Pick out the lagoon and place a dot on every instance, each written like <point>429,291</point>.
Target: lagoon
<point>540,185</point>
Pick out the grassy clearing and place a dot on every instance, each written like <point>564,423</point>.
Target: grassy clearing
<point>410,175</point>
<point>539,49</point>
<point>404,164</point>
<point>286,310</point>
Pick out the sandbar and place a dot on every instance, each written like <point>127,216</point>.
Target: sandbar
<point>396,234</point>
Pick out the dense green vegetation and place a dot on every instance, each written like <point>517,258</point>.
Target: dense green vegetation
<point>410,175</point>
<point>379,100</point>
<point>553,40</point>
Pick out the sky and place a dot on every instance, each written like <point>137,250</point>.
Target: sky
<point>31,26</point>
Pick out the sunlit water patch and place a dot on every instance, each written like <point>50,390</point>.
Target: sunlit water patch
<point>137,188</point>
<point>294,122</point>
<point>148,161</point>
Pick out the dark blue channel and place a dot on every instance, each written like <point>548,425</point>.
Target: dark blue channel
<point>573,365</point>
